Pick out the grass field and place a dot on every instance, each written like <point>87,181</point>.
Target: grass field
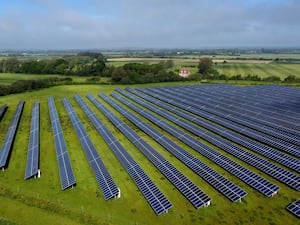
<point>41,201</point>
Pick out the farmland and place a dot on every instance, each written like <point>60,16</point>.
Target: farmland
<point>41,200</point>
<point>232,67</point>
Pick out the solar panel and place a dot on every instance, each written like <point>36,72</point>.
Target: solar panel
<point>67,178</point>
<point>153,195</point>
<point>180,181</point>
<point>294,208</point>
<point>3,109</point>
<point>104,179</point>
<point>10,136</point>
<point>273,170</point>
<point>32,164</point>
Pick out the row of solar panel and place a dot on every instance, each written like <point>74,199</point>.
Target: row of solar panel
<point>3,109</point>
<point>257,147</point>
<point>231,122</point>
<point>10,136</point>
<point>294,208</point>
<point>252,179</point>
<point>67,177</point>
<point>32,163</point>
<point>153,195</point>
<point>180,181</point>
<point>258,114</point>
<point>104,179</point>
<point>279,173</point>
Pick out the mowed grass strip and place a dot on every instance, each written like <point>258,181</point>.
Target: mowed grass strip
<point>84,203</point>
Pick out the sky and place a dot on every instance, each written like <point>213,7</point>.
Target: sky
<point>92,24</point>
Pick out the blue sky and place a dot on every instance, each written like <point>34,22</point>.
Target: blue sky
<point>65,24</point>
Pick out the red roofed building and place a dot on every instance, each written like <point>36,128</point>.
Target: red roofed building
<point>184,72</point>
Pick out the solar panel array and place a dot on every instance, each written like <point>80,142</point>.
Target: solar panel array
<point>219,182</point>
<point>10,136</point>
<point>273,170</point>
<point>104,179</point>
<point>32,163</point>
<point>255,181</point>
<point>151,192</point>
<point>227,120</point>
<point>3,109</point>
<point>67,178</point>
<point>294,208</point>
<point>192,192</point>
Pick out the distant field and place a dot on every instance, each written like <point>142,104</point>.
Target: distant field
<point>261,68</point>
<point>41,201</point>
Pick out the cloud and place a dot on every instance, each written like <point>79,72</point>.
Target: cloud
<point>153,23</point>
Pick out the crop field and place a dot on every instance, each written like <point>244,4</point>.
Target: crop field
<point>261,70</point>
<point>41,200</point>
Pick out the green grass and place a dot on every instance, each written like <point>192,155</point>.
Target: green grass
<point>41,201</point>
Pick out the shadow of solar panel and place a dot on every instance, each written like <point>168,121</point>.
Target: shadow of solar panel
<point>105,181</point>
<point>67,178</point>
<point>32,163</point>
<point>10,136</point>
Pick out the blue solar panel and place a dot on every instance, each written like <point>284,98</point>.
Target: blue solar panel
<point>10,136</point>
<point>153,195</point>
<point>67,178</point>
<point>273,170</point>
<point>3,109</point>
<point>294,208</point>
<point>32,164</point>
<point>181,182</point>
<point>105,181</point>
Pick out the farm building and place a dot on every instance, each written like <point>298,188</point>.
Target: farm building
<point>184,72</point>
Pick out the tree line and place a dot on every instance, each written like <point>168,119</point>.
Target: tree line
<point>82,64</point>
<point>21,86</point>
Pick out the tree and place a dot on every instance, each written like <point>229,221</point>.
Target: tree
<point>205,66</point>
